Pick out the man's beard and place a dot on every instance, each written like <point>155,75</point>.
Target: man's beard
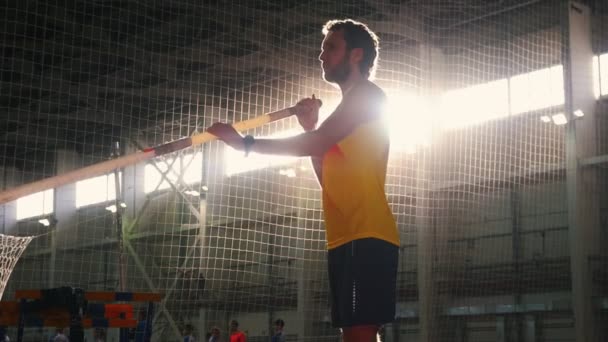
<point>340,73</point>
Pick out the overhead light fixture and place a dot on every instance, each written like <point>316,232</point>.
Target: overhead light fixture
<point>205,188</point>
<point>290,173</point>
<point>112,208</point>
<point>193,193</point>
<point>579,113</point>
<point>48,221</point>
<point>559,119</point>
<point>545,119</point>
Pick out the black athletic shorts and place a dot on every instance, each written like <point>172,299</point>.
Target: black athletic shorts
<point>363,281</point>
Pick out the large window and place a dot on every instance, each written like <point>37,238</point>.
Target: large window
<point>188,166</point>
<point>519,94</point>
<point>95,190</point>
<point>600,72</point>
<point>538,89</point>
<point>475,104</point>
<point>38,204</point>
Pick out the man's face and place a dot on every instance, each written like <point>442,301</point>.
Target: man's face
<point>335,58</point>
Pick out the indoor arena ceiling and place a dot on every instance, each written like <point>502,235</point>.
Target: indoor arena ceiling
<point>79,69</point>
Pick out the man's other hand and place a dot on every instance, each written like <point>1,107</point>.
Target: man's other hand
<point>307,111</point>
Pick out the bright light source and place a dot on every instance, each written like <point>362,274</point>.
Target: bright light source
<point>545,119</point>
<point>192,193</point>
<point>45,222</point>
<point>409,121</point>
<point>559,119</point>
<point>112,208</point>
<point>205,188</point>
<point>579,113</point>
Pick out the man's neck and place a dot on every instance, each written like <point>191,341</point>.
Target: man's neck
<point>353,79</point>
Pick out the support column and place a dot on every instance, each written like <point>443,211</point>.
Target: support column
<point>136,201</point>
<point>308,310</point>
<point>65,209</point>
<point>583,210</point>
<point>133,196</point>
<point>518,247</point>
<point>203,318</point>
<point>529,328</point>
<point>428,239</point>
<point>501,329</point>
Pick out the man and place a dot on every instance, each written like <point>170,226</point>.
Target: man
<point>235,334</point>
<point>349,153</point>
<point>278,336</point>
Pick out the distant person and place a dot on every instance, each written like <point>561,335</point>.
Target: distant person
<point>4,335</point>
<point>215,335</point>
<point>100,335</point>
<point>235,334</point>
<point>60,336</point>
<point>142,328</point>
<point>189,333</point>
<point>278,335</point>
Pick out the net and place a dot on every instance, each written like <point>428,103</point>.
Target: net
<point>480,176</point>
<point>11,248</point>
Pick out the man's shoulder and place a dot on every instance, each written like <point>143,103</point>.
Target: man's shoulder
<point>366,102</point>
<point>367,90</point>
<point>367,97</point>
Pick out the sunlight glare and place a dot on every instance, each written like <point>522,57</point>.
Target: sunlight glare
<point>409,121</point>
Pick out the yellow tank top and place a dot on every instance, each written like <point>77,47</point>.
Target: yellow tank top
<point>353,178</point>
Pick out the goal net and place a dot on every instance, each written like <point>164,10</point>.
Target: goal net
<point>11,248</point>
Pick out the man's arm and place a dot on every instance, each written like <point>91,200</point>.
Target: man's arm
<point>362,104</point>
<point>359,106</point>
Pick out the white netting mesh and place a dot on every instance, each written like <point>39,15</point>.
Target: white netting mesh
<point>477,176</point>
<point>11,248</point>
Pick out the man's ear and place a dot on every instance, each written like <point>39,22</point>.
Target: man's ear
<point>356,55</point>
